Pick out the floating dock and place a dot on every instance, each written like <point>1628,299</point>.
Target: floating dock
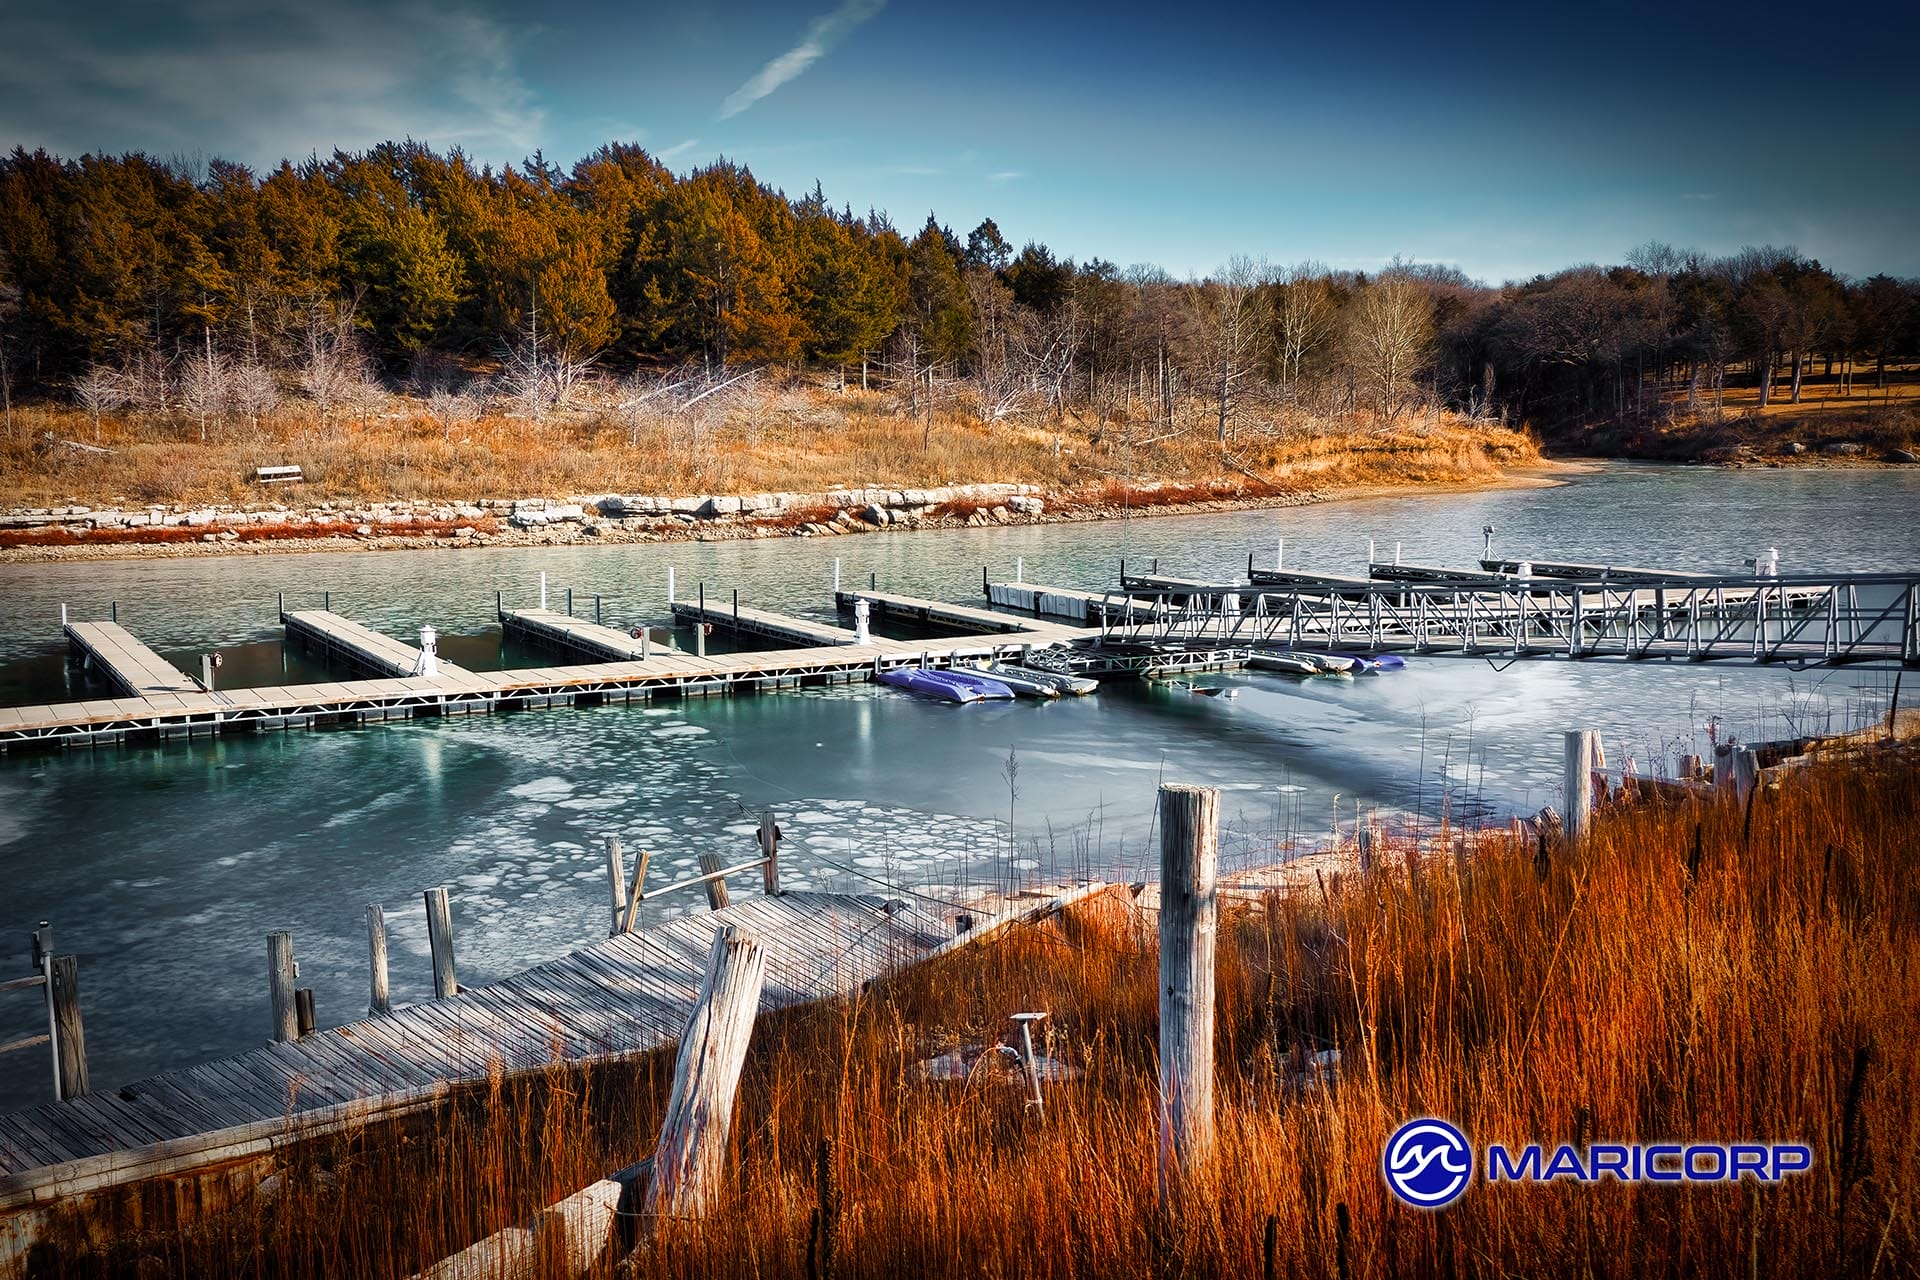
<point>576,637</point>
<point>359,645</point>
<point>129,665</point>
<point>628,995</point>
<point>961,616</point>
<point>783,627</point>
<point>1089,608</point>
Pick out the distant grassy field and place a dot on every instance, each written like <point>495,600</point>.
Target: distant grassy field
<point>770,440</point>
<point>1698,972</point>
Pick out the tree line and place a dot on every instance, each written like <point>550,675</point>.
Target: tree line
<point>219,292</point>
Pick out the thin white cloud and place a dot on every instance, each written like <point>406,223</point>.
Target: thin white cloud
<point>1700,195</point>
<point>824,32</point>
<point>261,80</point>
<point>1006,175</point>
<point>677,150</point>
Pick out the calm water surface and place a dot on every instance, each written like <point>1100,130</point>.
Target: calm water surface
<point>165,867</point>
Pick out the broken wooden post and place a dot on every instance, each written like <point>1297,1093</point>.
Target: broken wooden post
<point>713,1047</point>
<point>377,1002</point>
<point>716,888</point>
<point>1689,768</point>
<point>769,838</point>
<point>286,1025</point>
<point>616,883</point>
<point>440,940</point>
<point>63,977</point>
<point>303,1018</point>
<point>637,892</point>
<point>1189,917</point>
<point>1582,756</point>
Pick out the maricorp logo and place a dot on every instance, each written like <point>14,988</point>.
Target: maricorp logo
<point>1427,1163</point>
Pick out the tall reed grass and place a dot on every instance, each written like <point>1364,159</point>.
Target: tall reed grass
<point>1693,972</point>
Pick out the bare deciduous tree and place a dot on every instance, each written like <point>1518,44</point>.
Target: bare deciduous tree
<point>99,391</point>
<point>1235,314</point>
<point>1390,336</point>
<point>1306,315</point>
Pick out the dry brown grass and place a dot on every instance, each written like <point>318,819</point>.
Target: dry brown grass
<point>778,441</point>
<point>1694,972</point>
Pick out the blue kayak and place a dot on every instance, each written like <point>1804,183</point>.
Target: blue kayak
<point>986,686</point>
<point>938,684</point>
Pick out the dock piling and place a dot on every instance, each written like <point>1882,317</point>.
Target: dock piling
<point>669,584</point>
<point>113,611</point>
<point>303,1011</point>
<point>569,602</point>
<point>687,1162</point>
<point>836,575</point>
<point>1189,922</point>
<point>286,1023</point>
<point>440,940</point>
<point>769,838</point>
<point>1582,756</point>
<point>710,865</point>
<point>616,884</point>
<point>377,1000</point>
<point>637,891</point>
<point>63,613</point>
<point>596,610</point>
<point>63,985</point>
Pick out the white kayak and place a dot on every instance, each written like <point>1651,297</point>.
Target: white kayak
<point>1027,685</point>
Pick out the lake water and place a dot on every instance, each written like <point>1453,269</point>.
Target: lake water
<point>164,867</point>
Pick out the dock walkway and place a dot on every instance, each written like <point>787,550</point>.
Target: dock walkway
<point>627,995</point>
<point>130,665</point>
<point>361,645</point>
<point>966,617</point>
<point>765,622</point>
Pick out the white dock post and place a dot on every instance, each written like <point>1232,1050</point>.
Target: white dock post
<point>286,1024</point>
<point>1369,551</point>
<point>440,940</point>
<point>646,642</point>
<point>377,1000</point>
<point>836,575</point>
<point>669,584</point>
<point>1189,921</point>
<point>861,610</point>
<point>1019,568</point>
<point>1280,554</point>
<point>63,613</point>
<point>617,884</point>
<point>543,590</point>
<point>1396,553</point>
<point>1582,755</point>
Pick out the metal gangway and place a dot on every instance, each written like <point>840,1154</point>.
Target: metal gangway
<point>1802,619</point>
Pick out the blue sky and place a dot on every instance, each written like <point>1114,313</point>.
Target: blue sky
<point>1506,140</point>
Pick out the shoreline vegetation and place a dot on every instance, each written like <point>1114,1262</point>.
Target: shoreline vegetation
<point>1698,969</point>
<point>407,327</point>
<point>767,460</point>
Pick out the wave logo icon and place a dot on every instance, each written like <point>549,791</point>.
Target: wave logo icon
<point>1427,1163</point>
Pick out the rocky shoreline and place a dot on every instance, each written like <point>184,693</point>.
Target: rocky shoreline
<point>82,533</point>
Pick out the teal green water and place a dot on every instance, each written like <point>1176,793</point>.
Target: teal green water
<point>165,867</point>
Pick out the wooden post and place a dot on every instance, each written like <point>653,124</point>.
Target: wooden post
<point>638,891</point>
<point>63,977</point>
<point>1723,769</point>
<point>616,883</point>
<point>716,889</point>
<point>1582,754</point>
<point>286,1025</point>
<point>440,939</point>
<point>303,1011</point>
<point>377,1002</point>
<point>1746,773</point>
<point>1689,768</point>
<point>1189,917</point>
<point>769,838</point>
<point>693,1137</point>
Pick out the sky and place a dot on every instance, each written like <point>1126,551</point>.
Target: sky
<point>1504,140</point>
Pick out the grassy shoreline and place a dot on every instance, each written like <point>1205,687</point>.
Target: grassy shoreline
<point>1079,474</point>
<point>1696,971</point>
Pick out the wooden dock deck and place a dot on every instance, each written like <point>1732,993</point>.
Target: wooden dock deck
<point>361,645</point>
<point>130,665</point>
<point>1088,608</point>
<point>627,995</point>
<point>964,617</point>
<point>784,627</point>
<point>576,636</point>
